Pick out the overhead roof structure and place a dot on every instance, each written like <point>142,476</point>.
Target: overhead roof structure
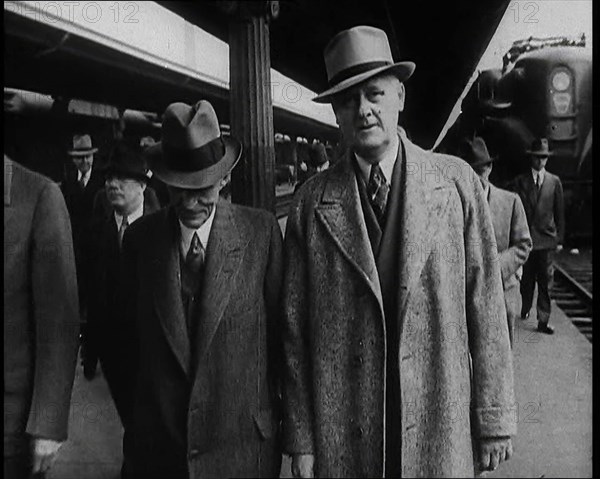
<point>444,39</point>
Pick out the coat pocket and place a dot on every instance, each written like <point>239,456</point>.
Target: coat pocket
<point>265,423</point>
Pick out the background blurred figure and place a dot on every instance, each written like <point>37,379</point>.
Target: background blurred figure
<point>510,226</point>
<point>107,337</point>
<point>41,320</point>
<point>542,196</point>
<point>153,182</point>
<point>79,189</point>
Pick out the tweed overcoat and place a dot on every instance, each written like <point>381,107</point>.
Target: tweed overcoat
<point>514,244</point>
<point>545,210</point>
<point>206,406</point>
<point>456,377</point>
<point>41,310</point>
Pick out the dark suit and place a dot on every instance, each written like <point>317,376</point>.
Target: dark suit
<point>80,203</point>
<point>105,339</point>
<point>514,244</point>
<point>206,406</point>
<point>546,219</point>
<point>41,318</point>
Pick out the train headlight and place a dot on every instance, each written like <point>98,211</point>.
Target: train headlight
<point>561,81</point>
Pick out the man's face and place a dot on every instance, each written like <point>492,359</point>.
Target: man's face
<point>368,114</point>
<point>124,194</point>
<point>193,207</point>
<point>84,163</point>
<point>538,162</point>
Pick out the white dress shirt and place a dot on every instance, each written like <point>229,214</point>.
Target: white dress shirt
<point>540,173</point>
<point>138,213</point>
<point>203,233</point>
<point>386,164</point>
<point>86,177</point>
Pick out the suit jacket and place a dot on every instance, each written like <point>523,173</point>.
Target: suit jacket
<point>41,318</point>
<point>206,405</point>
<point>545,210</point>
<point>514,244</point>
<point>450,308</point>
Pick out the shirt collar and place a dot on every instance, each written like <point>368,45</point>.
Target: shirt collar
<point>138,213</point>
<point>203,233</point>
<point>386,163</point>
<point>86,177</point>
<point>535,172</point>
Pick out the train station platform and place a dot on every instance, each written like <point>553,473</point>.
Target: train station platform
<point>553,387</point>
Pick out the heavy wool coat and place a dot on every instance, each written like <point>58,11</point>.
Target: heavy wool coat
<point>41,310</point>
<point>514,244</point>
<point>206,406</point>
<point>456,378</point>
<point>545,210</point>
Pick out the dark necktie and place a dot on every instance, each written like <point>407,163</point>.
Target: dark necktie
<point>122,228</point>
<point>378,190</point>
<point>538,182</point>
<point>194,259</point>
<point>82,182</point>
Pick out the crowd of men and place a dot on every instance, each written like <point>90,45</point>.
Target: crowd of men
<point>225,345</point>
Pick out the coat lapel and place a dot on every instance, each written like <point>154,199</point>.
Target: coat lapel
<point>340,212</point>
<point>167,297</point>
<point>424,205</point>
<point>224,254</point>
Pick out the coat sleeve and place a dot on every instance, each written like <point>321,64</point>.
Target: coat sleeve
<point>559,211</point>
<point>520,244</point>
<point>55,316</point>
<point>492,401</point>
<point>297,385</point>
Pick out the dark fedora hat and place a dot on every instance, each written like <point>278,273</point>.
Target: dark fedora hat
<point>539,147</point>
<point>192,152</point>
<point>475,152</point>
<point>125,161</point>
<point>357,54</point>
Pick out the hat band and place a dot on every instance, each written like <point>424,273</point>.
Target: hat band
<point>183,160</point>
<point>356,70</point>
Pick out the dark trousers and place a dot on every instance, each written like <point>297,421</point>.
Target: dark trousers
<point>538,269</point>
<point>19,467</point>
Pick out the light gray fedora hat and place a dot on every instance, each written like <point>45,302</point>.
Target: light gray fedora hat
<point>357,54</point>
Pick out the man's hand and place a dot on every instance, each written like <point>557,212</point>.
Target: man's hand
<point>492,451</point>
<point>302,465</point>
<point>559,248</point>
<point>44,454</point>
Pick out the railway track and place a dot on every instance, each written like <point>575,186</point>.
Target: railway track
<point>572,291</point>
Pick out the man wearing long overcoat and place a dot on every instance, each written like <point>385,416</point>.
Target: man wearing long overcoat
<point>204,277</point>
<point>396,349</point>
<point>41,320</point>
<point>510,226</point>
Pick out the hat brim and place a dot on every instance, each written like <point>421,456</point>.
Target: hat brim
<point>194,179</point>
<point>82,152</point>
<point>539,153</point>
<point>402,71</point>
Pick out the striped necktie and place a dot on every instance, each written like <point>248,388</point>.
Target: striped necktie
<point>378,191</point>
<point>122,228</point>
<point>194,259</point>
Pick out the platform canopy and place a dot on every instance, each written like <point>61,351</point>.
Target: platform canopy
<point>445,40</point>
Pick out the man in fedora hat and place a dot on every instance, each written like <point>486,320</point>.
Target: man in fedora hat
<point>542,196</point>
<point>387,294</point>
<point>79,189</point>
<point>510,226</point>
<point>202,282</point>
<point>107,337</point>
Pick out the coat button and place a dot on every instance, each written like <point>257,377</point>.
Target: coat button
<point>194,453</point>
<point>358,432</point>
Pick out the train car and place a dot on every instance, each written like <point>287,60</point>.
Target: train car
<point>543,90</point>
